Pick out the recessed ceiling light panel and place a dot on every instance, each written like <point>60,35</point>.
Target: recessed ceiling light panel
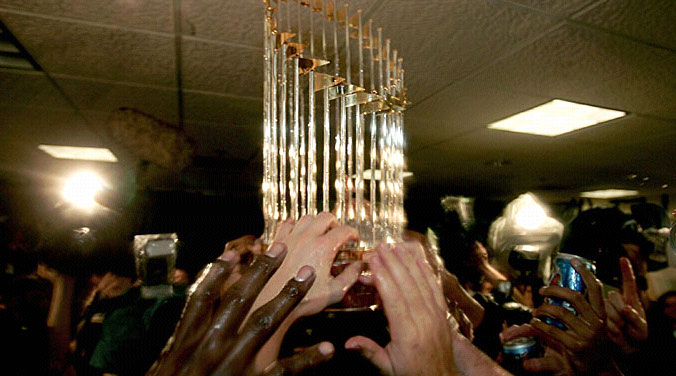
<point>376,175</point>
<point>555,118</point>
<point>609,193</point>
<point>77,152</point>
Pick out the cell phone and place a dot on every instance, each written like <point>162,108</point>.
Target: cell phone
<point>155,258</point>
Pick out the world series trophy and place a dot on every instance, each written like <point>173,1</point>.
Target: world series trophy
<point>333,103</point>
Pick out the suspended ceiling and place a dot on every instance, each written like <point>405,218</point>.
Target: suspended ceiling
<point>468,63</point>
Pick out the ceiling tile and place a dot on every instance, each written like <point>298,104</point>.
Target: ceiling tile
<point>30,126</point>
<point>29,89</point>
<point>242,22</point>
<point>97,52</point>
<point>544,163</point>
<point>224,110</point>
<point>236,22</point>
<point>570,60</point>
<point>625,131</point>
<point>227,141</point>
<point>557,7</point>
<point>222,69</point>
<point>224,126</point>
<point>156,15</point>
<point>444,41</point>
<point>463,106</point>
<point>106,97</point>
<point>651,21</point>
<point>649,89</point>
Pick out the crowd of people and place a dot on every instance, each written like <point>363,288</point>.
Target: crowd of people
<point>452,300</point>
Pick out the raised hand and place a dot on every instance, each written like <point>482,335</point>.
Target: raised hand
<point>246,246</point>
<point>314,241</point>
<point>208,339</point>
<point>416,311</point>
<point>112,285</point>
<point>584,340</point>
<point>626,321</point>
<point>467,311</point>
<point>551,363</point>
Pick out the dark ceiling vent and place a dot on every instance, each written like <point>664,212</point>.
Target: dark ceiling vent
<point>12,53</point>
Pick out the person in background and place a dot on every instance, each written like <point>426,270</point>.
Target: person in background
<point>662,335</point>
<point>522,241</point>
<point>464,258</point>
<point>118,331</point>
<point>603,235</point>
<point>609,334</point>
<point>24,304</point>
<point>112,276</point>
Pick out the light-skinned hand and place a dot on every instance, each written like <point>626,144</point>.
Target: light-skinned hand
<point>314,241</point>
<point>414,304</point>
<point>626,321</point>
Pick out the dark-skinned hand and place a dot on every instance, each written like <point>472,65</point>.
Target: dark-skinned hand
<point>552,363</point>
<point>584,340</point>
<point>211,338</point>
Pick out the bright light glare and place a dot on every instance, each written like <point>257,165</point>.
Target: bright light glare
<point>77,152</point>
<point>609,193</point>
<point>556,118</point>
<point>531,216</point>
<point>81,188</point>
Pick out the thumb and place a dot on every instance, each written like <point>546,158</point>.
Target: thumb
<point>371,351</point>
<point>308,358</point>
<point>339,285</point>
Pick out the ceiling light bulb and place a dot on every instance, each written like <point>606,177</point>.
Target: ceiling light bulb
<point>81,188</point>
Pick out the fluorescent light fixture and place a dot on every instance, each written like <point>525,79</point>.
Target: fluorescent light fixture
<point>367,174</point>
<point>609,193</point>
<point>556,118</point>
<point>76,152</point>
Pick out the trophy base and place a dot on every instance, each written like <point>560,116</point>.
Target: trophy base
<point>359,298</point>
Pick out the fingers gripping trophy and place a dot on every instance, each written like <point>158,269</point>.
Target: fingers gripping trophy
<point>333,132</point>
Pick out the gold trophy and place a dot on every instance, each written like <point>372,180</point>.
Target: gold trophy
<point>333,126</point>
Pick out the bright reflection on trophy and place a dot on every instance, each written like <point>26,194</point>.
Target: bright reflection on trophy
<point>333,107</point>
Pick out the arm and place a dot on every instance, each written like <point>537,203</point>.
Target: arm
<point>59,316</point>
<point>471,361</point>
<point>453,290</point>
<point>494,277</point>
